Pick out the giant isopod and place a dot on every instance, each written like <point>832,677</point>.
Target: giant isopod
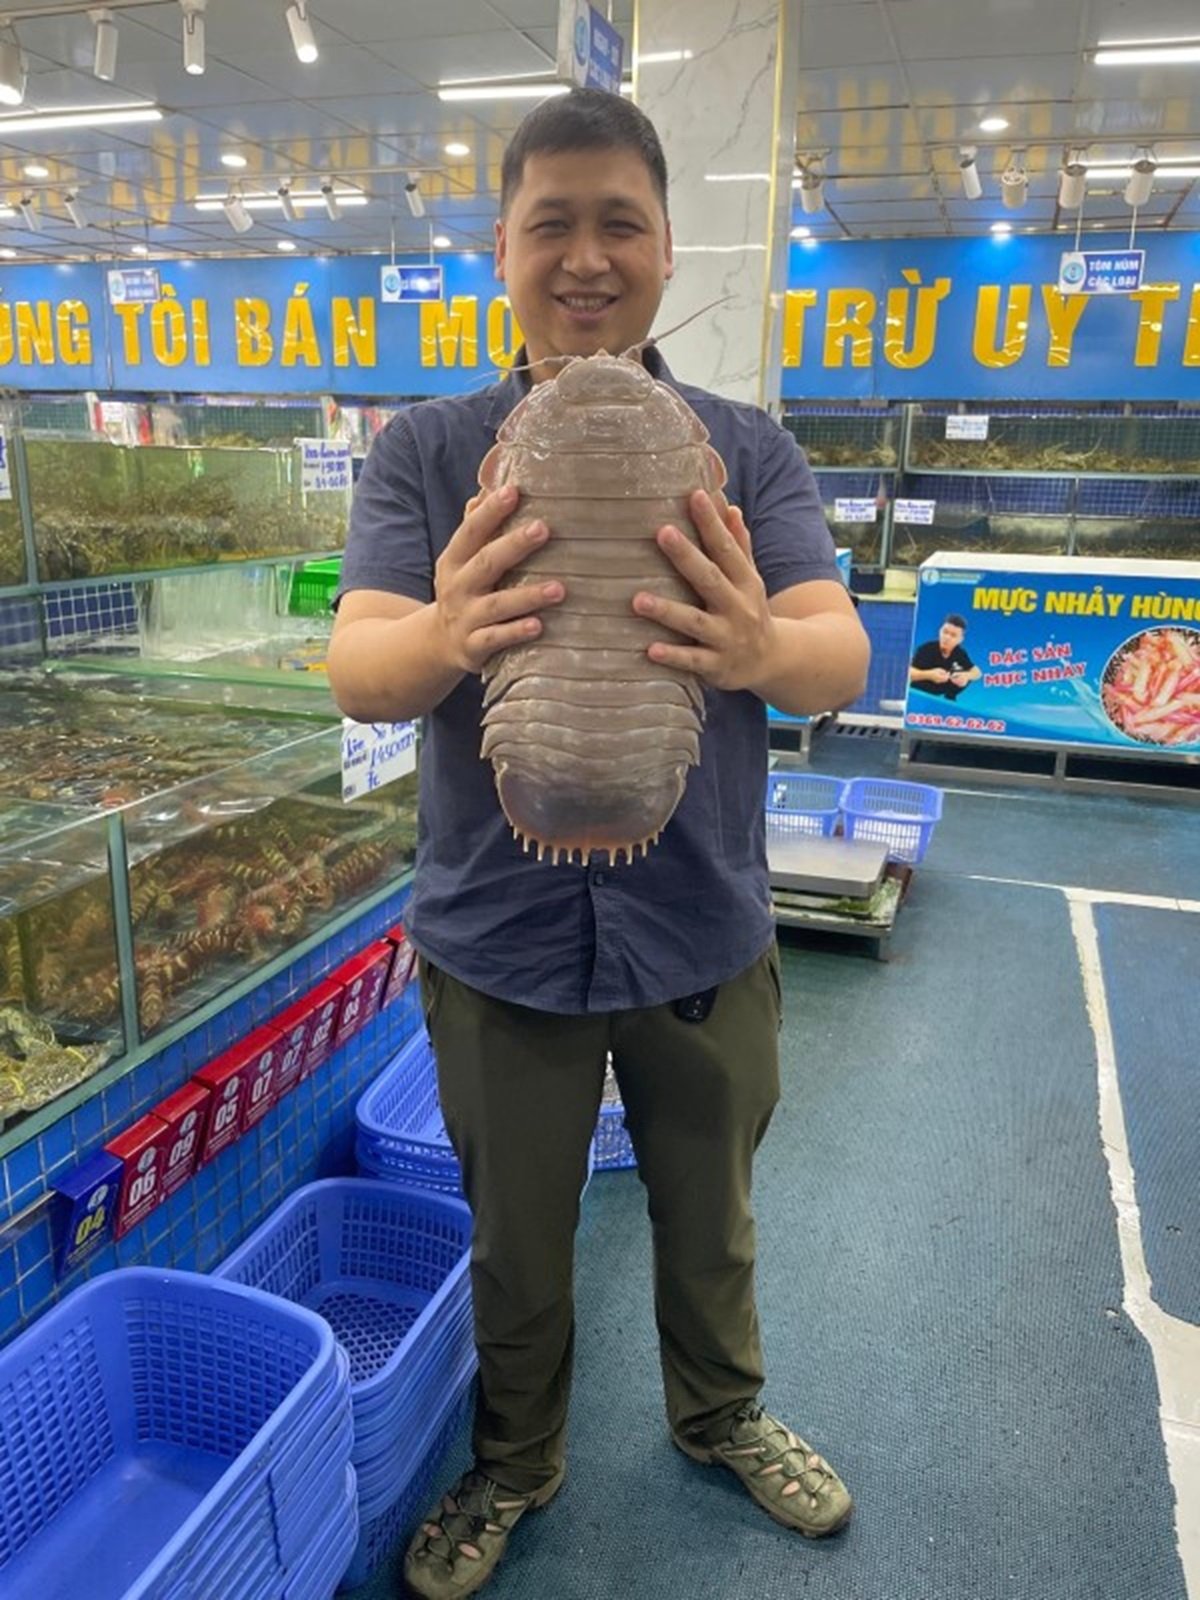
<point>590,740</point>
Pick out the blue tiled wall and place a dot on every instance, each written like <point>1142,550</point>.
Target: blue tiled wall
<point>309,1134</point>
<point>889,626</point>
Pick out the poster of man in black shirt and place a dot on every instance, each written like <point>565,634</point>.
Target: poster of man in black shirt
<point>941,666</point>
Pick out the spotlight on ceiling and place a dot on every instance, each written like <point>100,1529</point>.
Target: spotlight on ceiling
<point>193,35</point>
<point>1072,180</point>
<point>104,62</point>
<point>1141,178</point>
<point>286,204</point>
<point>235,211</point>
<point>12,70</point>
<point>1014,181</point>
<point>812,184</point>
<point>303,42</point>
<point>332,210</point>
<point>29,214</point>
<point>969,172</point>
<point>74,210</point>
<point>412,195</point>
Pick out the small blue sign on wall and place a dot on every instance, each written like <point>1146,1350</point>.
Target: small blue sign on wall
<point>1101,271</point>
<point>591,52</point>
<point>399,284</point>
<point>134,286</point>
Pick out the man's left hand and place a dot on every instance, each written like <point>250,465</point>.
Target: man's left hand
<point>733,630</point>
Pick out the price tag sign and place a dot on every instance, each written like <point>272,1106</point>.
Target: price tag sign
<point>960,427</point>
<point>864,510</point>
<point>916,511</point>
<point>5,471</point>
<point>325,464</point>
<point>375,753</point>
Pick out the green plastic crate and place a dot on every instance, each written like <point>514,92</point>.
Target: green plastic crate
<point>313,587</point>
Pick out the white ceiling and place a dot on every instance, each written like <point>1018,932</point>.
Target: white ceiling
<point>888,90</point>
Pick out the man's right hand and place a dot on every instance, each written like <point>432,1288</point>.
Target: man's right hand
<point>939,675</point>
<point>475,617</point>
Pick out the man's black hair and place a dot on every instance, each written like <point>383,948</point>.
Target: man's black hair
<point>584,119</point>
<point>955,621</point>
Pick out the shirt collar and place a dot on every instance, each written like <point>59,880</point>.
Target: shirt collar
<point>505,396</point>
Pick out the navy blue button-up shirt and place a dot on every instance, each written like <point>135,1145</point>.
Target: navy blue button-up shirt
<point>696,909</point>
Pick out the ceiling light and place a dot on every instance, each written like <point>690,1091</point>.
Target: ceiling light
<point>332,209</point>
<point>457,148</point>
<point>655,56</point>
<point>301,30</point>
<point>1146,52</point>
<point>74,210</point>
<point>1118,174</point>
<point>412,195</point>
<point>104,62</point>
<point>1014,181</point>
<point>235,211</point>
<point>440,242</point>
<point>272,202</point>
<point>504,91</point>
<point>801,232</point>
<point>7,253</point>
<point>12,71</point>
<point>193,36</point>
<point>36,170</point>
<point>285,244</point>
<point>1072,180</point>
<point>969,172</point>
<point>1001,228</point>
<point>29,214</point>
<point>737,177</point>
<point>1141,179</point>
<point>80,117</point>
<point>286,204</point>
<point>230,158</point>
<point>139,249</point>
<point>993,125</point>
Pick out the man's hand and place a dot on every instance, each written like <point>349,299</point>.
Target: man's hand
<point>475,618</point>
<point>939,675</point>
<point>960,679</point>
<point>733,629</point>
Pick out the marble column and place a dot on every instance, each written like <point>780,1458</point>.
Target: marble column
<point>726,115</point>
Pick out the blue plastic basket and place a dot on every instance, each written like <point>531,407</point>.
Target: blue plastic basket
<point>614,1148</point>
<point>144,1419</point>
<point>802,803</point>
<point>400,1124</point>
<point>899,815</point>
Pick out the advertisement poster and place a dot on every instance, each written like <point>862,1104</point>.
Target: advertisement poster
<point>1100,653</point>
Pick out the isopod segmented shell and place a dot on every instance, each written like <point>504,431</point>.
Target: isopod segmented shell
<point>589,739</point>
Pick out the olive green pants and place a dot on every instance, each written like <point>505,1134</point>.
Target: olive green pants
<point>520,1091</point>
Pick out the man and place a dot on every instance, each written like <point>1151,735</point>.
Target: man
<point>532,973</point>
<point>941,666</point>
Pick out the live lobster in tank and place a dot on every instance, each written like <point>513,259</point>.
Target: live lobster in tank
<point>590,740</point>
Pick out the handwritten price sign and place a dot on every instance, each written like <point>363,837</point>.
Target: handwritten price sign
<point>375,753</point>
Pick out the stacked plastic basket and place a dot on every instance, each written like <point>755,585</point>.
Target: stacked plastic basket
<point>386,1265</point>
<point>900,815</point>
<point>169,1437</point>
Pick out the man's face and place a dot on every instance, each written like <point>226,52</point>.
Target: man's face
<point>584,253</point>
<point>949,638</point>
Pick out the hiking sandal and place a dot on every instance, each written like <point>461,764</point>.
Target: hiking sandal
<point>455,1550</point>
<point>785,1475</point>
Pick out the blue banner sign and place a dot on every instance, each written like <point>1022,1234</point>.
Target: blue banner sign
<point>399,283</point>
<point>140,285</point>
<point>1036,649</point>
<point>590,50</point>
<point>936,319</point>
<point>1101,271</point>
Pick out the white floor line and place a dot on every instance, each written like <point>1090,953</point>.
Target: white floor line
<point>1095,897</point>
<point>1175,1345</point>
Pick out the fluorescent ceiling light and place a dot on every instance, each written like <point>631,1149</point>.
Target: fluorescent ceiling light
<point>104,62</point>
<point>285,244</point>
<point>80,117</point>
<point>737,177</point>
<point>457,148</point>
<point>501,77</point>
<point>303,42</point>
<point>231,159</point>
<point>993,125</point>
<point>715,249</point>
<point>7,253</point>
<point>1146,52</point>
<point>801,233</point>
<point>36,170</point>
<point>652,57</point>
<point>505,91</point>
<point>272,202</point>
<point>1118,174</point>
<point>440,242</point>
<point>1001,228</point>
<point>139,249</point>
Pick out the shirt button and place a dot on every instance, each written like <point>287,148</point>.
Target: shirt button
<point>599,879</point>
